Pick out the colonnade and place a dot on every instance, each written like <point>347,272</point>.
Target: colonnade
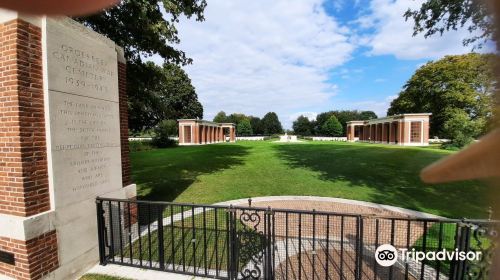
<point>404,129</point>
<point>200,132</point>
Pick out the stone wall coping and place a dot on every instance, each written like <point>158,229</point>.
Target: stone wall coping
<point>401,210</point>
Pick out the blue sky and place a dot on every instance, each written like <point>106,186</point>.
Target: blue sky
<point>306,56</point>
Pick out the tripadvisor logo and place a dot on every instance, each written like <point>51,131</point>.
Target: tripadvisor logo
<point>387,255</point>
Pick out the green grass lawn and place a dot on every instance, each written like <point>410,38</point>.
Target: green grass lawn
<point>368,172</point>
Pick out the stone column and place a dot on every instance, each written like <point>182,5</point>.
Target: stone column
<point>181,134</point>
<point>391,132</point>
<point>203,134</point>
<point>350,132</point>
<point>384,133</point>
<point>399,132</point>
<point>426,132</point>
<point>380,130</point>
<point>195,134</point>
<point>233,138</point>
<point>406,133</point>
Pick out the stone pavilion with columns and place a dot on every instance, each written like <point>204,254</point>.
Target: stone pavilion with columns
<point>201,132</point>
<point>404,130</point>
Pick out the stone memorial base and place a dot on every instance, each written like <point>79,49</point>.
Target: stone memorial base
<point>63,142</point>
<point>288,139</point>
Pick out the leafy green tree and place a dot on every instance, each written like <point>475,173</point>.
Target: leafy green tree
<point>166,93</point>
<point>367,115</point>
<point>142,29</point>
<point>321,119</point>
<point>164,132</point>
<point>236,118</point>
<point>145,28</point>
<point>461,129</point>
<point>463,82</point>
<point>302,126</point>
<point>271,124</point>
<point>256,125</point>
<point>343,116</point>
<point>244,128</point>
<point>332,127</point>
<point>438,16</point>
<point>221,117</point>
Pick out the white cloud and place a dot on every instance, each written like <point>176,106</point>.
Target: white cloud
<point>310,115</point>
<point>394,36</point>
<point>380,80</point>
<point>259,56</point>
<point>378,106</point>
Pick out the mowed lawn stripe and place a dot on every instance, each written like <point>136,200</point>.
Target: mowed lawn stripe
<point>368,172</point>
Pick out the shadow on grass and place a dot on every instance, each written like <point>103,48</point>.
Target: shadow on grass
<point>393,175</point>
<point>163,174</point>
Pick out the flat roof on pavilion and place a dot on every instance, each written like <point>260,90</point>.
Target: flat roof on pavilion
<point>206,122</point>
<point>392,117</point>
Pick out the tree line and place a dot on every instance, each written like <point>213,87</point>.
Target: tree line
<point>147,28</point>
<point>331,123</point>
<point>458,91</point>
<point>251,125</point>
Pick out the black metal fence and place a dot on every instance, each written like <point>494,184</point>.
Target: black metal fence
<point>229,242</point>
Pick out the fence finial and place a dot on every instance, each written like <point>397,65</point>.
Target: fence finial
<point>249,202</point>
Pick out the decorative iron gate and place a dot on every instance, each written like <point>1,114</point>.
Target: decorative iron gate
<point>229,242</point>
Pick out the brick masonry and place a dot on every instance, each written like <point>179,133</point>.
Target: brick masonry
<point>24,188</point>
<point>24,183</point>
<point>34,258</point>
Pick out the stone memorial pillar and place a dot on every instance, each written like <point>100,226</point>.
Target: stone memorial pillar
<point>63,142</point>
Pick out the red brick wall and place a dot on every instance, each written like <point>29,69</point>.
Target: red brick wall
<point>426,132</point>
<point>406,132</point>
<point>122,90</point>
<point>24,189</point>
<point>34,258</point>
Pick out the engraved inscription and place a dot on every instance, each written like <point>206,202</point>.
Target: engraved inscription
<point>91,170</point>
<point>83,69</point>
<point>80,65</point>
<point>84,113</point>
<point>85,146</point>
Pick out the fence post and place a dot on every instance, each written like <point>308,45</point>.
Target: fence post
<point>161,251</point>
<point>458,268</point>
<point>359,248</point>
<point>268,249</point>
<point>232,254</point>
<point>100,232</point>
